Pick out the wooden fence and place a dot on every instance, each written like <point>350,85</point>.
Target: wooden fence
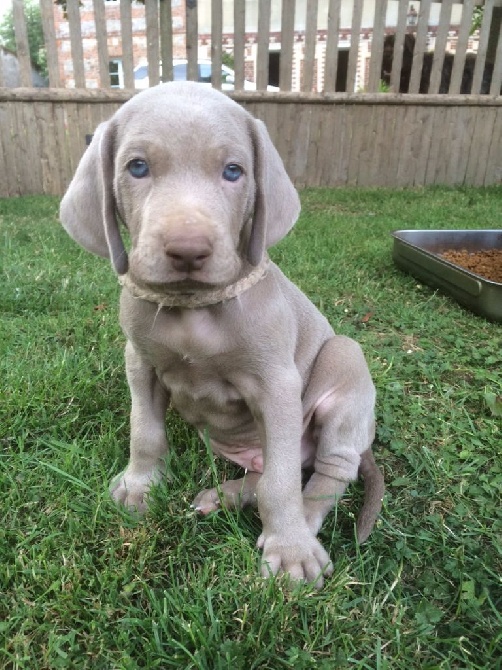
<point>325,137</point>
<point>330,140</point>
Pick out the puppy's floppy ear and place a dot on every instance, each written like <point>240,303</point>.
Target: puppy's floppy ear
<point>277,204</point>
<point>88,210</point>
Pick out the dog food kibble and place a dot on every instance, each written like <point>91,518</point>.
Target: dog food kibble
<point>486,263</point>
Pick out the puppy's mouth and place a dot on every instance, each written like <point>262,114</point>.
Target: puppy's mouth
<point>191,293</point>
<point>182,282</point>
<point>185,284</point>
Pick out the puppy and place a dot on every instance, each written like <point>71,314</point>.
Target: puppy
<point>213,327</point>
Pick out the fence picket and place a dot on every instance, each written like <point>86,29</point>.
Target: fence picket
<point>497,67</point>
<point>459,61</point>
<point>420,46</point>
<point>127,43</point>
<point>482,47</point>
<point>377,46</point>
<point>166,39</point>
<point>440,47</point>
<point>263,44</point>
<point>461,128</point>
<point>22,46</point>
<point>357,14</point>
<point>239,42</point>
<point>102,42</point>
<point>192,36</point>
<point>62,155</point>
<point>9,184</point>
<point>77,50</point>
<point>152,41</point>
<point>30,144</point>
<point>287,42</point>
<point>494,164</point>
<point>47,150</point>
<point>23,178</point>
<point>331,57</point>
<point>216,42</point>
<point>47,15</point>
<point>307,79</point>
<point>480,150</point>
<point>399,37</point>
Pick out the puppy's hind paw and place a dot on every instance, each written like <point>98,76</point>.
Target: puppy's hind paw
<point>232,494</point>
<point>206,501</point>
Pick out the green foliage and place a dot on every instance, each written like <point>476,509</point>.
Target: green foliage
<point>477,18</point>
<point>86,585</point>
<point>34,29</point>
<point>227,58</point>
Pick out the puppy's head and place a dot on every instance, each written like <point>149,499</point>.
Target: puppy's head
<point>193,177</point>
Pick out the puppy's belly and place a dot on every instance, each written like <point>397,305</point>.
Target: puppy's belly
<point>217,410</point>
<point>213,406</point>
<point>250,456</point>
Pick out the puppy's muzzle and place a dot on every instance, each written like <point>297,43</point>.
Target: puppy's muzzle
<point>188,253</point>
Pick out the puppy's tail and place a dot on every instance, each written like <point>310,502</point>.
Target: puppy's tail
<point>374,489</point>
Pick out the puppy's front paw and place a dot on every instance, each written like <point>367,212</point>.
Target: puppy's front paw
<point>131,489</point>
<point>301,556</point>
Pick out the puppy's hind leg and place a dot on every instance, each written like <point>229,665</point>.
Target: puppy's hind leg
<point>232,494</point>
<point>344,426</point>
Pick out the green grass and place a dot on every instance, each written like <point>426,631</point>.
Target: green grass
<point>85,585</point>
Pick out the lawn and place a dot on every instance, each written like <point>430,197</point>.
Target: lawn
<point>86,585</point>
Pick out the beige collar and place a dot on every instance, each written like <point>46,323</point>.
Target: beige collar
<point>200,297</point>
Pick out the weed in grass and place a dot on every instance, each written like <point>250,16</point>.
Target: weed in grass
<point>84,584</point>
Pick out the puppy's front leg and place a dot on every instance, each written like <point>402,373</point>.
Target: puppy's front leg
<point>288,544</point>
<point>148,436</point>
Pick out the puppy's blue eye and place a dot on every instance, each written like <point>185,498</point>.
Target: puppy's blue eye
<point>232,172</point>
<point>138,168</point>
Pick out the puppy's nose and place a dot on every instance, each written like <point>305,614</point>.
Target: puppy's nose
<point>188,254</point>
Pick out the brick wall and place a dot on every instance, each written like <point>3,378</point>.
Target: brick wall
<point>89,42</point>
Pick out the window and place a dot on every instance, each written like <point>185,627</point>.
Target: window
<point>116,73</point>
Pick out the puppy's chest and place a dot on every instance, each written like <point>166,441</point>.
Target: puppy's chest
<point>175,335</point>
<point>191,356</point>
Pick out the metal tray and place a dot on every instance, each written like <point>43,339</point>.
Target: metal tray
<point>416,252</point>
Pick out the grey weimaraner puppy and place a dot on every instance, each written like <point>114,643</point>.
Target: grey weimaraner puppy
<point>214,328</point>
